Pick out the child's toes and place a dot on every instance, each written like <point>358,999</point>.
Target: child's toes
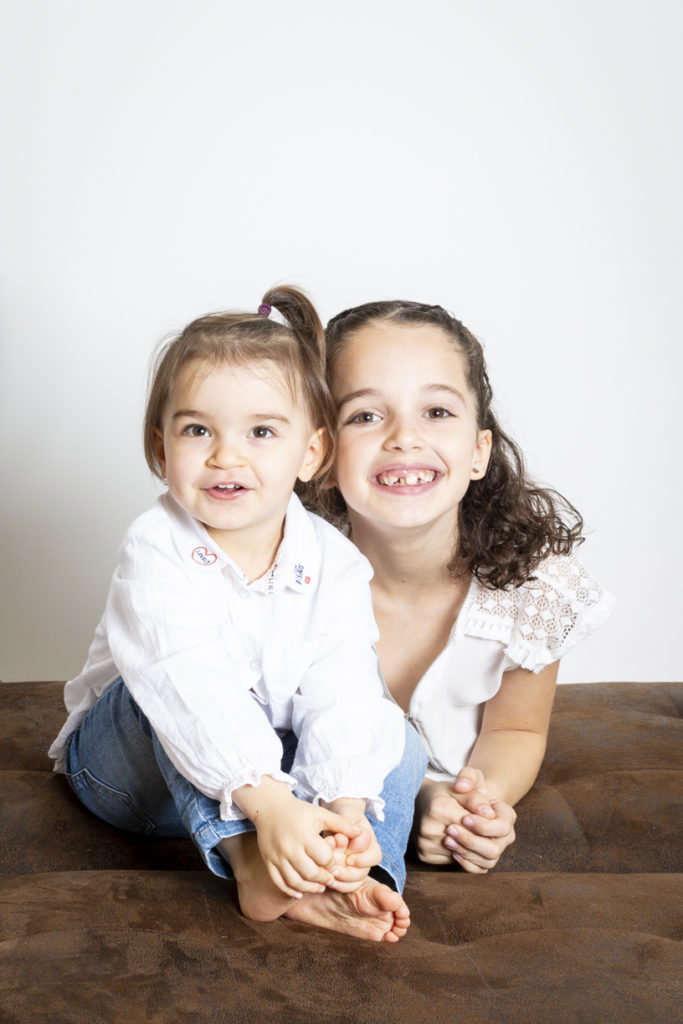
<point>340,841</point>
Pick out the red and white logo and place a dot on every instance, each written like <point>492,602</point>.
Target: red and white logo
<point>203,556</point>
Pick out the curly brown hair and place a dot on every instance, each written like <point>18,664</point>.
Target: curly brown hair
<point>506,524</point>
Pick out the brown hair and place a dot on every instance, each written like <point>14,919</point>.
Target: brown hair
<point>297,348</point>
<point>506,524</point>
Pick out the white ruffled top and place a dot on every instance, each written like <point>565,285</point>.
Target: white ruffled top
<point>528,627</point>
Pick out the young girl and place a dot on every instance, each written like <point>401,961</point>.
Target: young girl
<point>232,690</point>
<point>476,592</point>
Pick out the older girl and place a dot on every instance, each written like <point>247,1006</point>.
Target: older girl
<point>476,590</point>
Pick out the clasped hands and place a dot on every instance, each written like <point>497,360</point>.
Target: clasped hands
<point>460,821</point>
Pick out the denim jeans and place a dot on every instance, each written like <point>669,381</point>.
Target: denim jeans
<point>118,769</point>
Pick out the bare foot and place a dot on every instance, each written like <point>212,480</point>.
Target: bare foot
<point>373,911</point>
<point>259,897</point>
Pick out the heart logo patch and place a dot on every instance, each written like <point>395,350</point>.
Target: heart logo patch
<point>203,556</point>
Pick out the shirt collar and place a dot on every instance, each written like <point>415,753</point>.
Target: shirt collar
<point>296,565</point>
<point>194,542</point>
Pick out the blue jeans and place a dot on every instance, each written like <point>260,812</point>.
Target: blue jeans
<point>117,767</point>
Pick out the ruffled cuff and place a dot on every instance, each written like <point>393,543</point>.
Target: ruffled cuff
<point>229,811</point>
<point>317,787</point>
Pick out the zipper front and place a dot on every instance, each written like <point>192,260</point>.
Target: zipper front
<point>412,715</point>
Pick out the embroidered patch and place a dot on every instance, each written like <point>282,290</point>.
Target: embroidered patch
<point>203,556</point>
<point>299,575</point>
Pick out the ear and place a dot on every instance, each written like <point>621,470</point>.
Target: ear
<point>159,451</point>
<point>315,453</point>
<point>482,454</point>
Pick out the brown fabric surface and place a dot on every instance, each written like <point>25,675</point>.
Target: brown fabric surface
<point>45,828</point>
<point>31,715</point>
<point>579,924</point>
<point>172,946</point>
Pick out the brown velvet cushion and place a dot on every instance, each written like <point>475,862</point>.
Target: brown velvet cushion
<point>92,947</point>
<point>577,925</point>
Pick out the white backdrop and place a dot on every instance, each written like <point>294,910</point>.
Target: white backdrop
<point>518,162</point>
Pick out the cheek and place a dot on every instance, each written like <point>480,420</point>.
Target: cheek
<point>349,466</point>
<point>343,456</point>
<point>178,462</point>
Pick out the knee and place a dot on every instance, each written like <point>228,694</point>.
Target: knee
<point>124,707</point>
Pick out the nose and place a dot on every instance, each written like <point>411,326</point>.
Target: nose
<point>225,453</point>
<point>403,434</point>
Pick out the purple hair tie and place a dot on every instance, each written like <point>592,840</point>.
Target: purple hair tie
<point>265,309</point>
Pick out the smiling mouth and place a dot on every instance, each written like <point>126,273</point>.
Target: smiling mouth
<point>413,478</point>
<point>225,490</point>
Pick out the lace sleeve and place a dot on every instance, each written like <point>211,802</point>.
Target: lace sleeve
<point>545,618</point>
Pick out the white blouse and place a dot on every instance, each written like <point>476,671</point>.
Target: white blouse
<point>218,664</point>
<point>497,630</point>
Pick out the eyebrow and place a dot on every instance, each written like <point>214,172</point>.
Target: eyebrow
<point>259,416</point>
<point>372,392</point>
<point>361,393</point>
<point>189,414</point>
<point>446,387</point>
<point>193,414</point>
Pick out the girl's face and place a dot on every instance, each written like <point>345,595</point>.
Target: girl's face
<point>232,443</point>
<point>408,442</point>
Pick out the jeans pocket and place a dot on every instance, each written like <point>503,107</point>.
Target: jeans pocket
<point>111,805</point>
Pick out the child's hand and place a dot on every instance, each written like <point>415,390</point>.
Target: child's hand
<point>460,821</point>
<point>288,831</point>
<point>353,857</point>
<point>437,808</point>
<point>487,828</point>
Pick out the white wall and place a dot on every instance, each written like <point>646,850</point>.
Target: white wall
<point>519,162</point>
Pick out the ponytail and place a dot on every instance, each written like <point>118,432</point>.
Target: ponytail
<point>300,315</point>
